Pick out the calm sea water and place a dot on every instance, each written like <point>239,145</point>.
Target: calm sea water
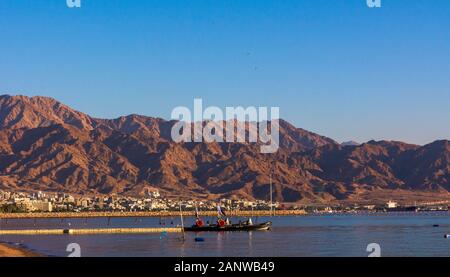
<point>407,234</point>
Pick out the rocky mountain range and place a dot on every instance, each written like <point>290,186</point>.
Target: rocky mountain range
<point>45,145</point>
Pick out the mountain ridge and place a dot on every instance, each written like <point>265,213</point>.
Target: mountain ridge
<point>46,145</point>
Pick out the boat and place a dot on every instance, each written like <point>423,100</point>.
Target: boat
<point>403,209</point>
<point>392,206</point>
<point>230,228</point>
<point>224,225</point>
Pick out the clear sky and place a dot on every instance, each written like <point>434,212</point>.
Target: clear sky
<point>334,67</point>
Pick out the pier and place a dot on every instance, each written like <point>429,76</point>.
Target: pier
<point>90,231</point>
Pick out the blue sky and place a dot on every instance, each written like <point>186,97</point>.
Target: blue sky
<point>334,67</point>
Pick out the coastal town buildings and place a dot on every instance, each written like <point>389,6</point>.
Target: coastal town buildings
<point>152,201</point>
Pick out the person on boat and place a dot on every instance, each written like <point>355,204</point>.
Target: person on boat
<point>199,222</point>
<point>221,222</point>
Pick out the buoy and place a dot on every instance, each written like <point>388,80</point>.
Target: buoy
<point>199,239</point>
<point>447,236</point>
<point>163,235</point>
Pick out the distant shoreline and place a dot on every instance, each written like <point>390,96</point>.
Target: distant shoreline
<point>146,214</point>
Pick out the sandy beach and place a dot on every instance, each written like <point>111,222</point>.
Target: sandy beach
<point>13,251</point>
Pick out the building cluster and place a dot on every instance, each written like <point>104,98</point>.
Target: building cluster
<point>390,206</point>
<point>153,201</point>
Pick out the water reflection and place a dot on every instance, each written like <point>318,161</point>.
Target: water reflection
<point>330,235</point>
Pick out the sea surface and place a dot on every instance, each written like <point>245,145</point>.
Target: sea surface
<point>336,235</point>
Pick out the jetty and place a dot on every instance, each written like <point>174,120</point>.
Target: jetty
<point>90,231</point>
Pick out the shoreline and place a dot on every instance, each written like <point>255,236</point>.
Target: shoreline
<point>13,251</point>
<point>279,213</point>
<point>146,214</point>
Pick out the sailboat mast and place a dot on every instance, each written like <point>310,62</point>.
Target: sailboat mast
<point>271,206</point>
<point>182,221</point>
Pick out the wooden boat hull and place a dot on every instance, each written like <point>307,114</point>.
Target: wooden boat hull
<point>230,228</point>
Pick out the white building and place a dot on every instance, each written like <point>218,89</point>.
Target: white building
<point>391,205</point>
<point>42,206</point>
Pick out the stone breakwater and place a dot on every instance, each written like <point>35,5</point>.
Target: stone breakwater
<point>90,231</point>
<point>146,214</point>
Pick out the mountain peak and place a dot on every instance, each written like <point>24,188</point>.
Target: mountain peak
<point>350,143</point>
<point>38,111</point>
